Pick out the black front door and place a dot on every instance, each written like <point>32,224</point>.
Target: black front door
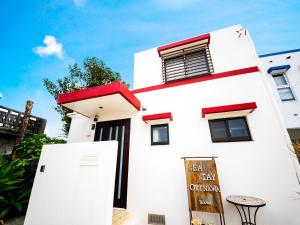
<point>117,130</point>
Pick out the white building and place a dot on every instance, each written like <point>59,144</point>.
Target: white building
<point>283,72</point>
<point>203,96</point>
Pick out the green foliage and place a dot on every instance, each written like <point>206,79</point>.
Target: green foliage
<point>16,177</point>
<point>13,192</point>
<point>29,151</point>
<point>93,73</point>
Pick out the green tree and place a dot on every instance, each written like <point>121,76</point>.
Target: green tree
<point>93,73</point>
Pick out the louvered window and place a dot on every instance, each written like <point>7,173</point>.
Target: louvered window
<point>187,63</point>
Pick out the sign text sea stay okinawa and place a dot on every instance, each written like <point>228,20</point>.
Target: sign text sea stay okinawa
<point>203,186</point>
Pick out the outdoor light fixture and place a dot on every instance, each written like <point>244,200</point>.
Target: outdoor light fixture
<point>96,117</point>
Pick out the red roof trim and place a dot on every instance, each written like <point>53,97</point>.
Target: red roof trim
<point>100,91</point>
<point>158,116</point>
<point>184,42</point>
<point>197,79</point>
<point>229,108</point>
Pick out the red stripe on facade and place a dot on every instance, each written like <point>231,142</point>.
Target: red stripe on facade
<point>184,42</point>
<point>158,116</point>
<point>100,91</point>
<point>197,79</point>
<point>229,108</point>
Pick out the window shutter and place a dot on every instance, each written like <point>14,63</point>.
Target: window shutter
<point>186,63</point>
<point>196,64</point>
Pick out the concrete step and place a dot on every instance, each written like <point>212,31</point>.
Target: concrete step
<point>120,216</point>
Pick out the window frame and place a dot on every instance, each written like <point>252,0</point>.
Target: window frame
<point>229,138</point>
<point>286,86</point>
<point>161,142</point>
<point>185,63</point>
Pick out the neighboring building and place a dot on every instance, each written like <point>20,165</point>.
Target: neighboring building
<point>10,121</point>
<point>283,72</point>
<point>203,96</point>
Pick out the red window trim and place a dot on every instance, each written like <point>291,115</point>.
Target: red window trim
<point>158,116</point>
<point>229,108</point>
<point>184,42</point>
<point>197,79</point>
<point>120,88</point>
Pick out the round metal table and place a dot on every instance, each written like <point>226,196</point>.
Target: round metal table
<point>245,206</point>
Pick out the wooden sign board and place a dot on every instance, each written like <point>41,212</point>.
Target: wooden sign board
<point>203,186</point>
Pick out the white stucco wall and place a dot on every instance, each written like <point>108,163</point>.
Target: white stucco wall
<point>263,167</point>
<point>289,109</point>
<point>80,129</point>
<point>67,193</point>
<point>148,68</point>
<point>259,168</point>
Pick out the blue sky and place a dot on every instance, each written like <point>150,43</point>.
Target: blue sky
<point>114,31</point>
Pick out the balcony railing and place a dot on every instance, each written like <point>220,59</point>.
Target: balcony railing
<point>10,121</point>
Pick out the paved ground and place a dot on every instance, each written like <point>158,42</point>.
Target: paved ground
<point>15,221</point>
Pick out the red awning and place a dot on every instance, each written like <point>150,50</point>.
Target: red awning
<point>201,39</point>
<point>227,110</point>
<point>110,98</point>
<point>158,118</point>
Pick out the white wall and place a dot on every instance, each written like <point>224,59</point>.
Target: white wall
<point>259,168</point>
<point>228,52</point>
<point>262,167</point>
<point>76,186</point>
<point>147,69</point>
<point>81,128</point>
<point>289,109</point>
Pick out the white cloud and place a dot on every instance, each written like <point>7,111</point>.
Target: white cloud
<point>52,47</point>
<point>79,3</point>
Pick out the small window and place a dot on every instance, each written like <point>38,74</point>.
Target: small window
<point>160,134</point>
<point>283,87</point>
<point>231,129</point>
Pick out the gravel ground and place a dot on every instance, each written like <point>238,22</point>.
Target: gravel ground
<point>15,221</point>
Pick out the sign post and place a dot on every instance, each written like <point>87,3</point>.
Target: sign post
<point>203,186</point>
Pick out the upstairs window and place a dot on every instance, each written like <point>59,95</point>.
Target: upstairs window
<point>283,87</point>
<point>186,63</point>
